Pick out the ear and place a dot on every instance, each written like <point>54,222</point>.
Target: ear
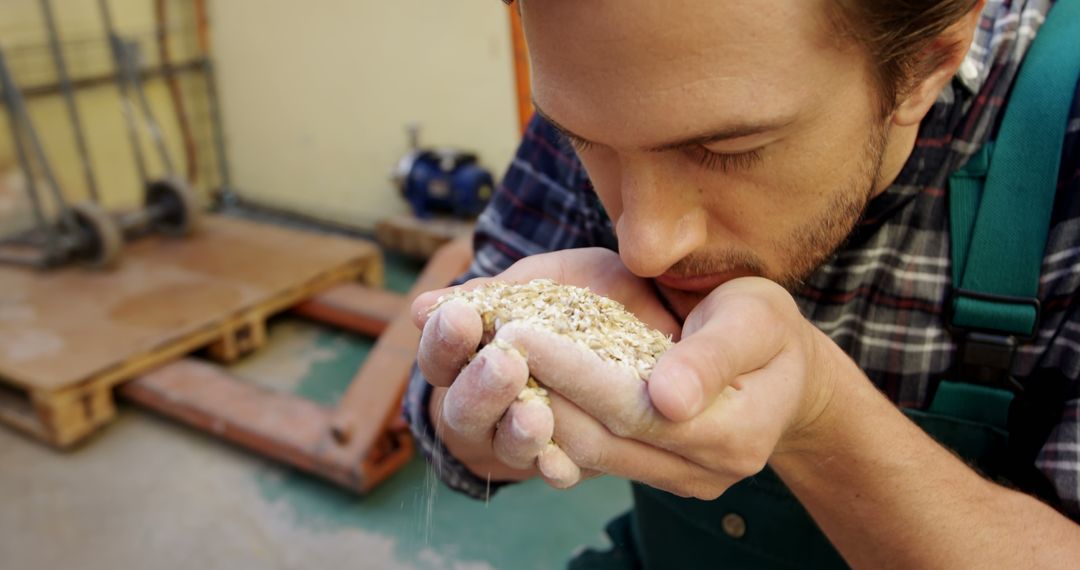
<point>943,57</point>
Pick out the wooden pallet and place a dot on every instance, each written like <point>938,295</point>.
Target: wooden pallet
<point>68,337</point>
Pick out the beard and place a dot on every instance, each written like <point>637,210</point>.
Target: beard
<point>805,248</point>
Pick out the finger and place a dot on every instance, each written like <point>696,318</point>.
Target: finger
<point>420,310</point>
<point>745,421</point>
<point>449,339</point>
<point>589,445</point>
<point>557,469</point>
<point>741,426</point>
<point>523,433</point>
<point>606,390</point>
<point>736,330</point>
<point>483,391</point>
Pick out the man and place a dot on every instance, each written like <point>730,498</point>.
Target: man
<point>773,177</point>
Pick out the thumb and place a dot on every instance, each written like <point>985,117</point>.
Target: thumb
<point>737,329</point>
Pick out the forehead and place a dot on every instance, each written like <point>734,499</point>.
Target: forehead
<point>623,68</point>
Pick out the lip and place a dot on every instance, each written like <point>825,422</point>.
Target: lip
<point>699,283</point>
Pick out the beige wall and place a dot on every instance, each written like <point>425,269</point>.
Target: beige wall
<point>315,95</point>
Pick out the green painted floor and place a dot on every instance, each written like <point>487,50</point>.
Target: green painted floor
<point>149,493</point>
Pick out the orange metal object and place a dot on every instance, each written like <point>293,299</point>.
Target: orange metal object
<point>381,380</point>
<point>165,55</point>
<point>354,307</point>
<point>359,443</point>
<point>521,69</point>
<point>280,426</point>
<point>202,28</point>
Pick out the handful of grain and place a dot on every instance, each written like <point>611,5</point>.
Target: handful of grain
<point>592,321</point>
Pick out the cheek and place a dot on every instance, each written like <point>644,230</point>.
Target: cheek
<point>745,208</point>
<point>797,180</point>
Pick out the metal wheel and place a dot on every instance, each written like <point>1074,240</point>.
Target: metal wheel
<point>103,240</point>
<point>174,205</point>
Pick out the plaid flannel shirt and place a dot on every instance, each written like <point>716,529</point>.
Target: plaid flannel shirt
<point>881,295</point>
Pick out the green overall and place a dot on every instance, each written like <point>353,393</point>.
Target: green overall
<point>758,523</point>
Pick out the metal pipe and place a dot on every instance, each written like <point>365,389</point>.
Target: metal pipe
<point>131,50</point>
<point>106,17</point>
<point>126,106</point>
<point>165,57</point>
<point>10,96</point>
<point>69,99</point>
<point>203,34</point>
<point>24,257</point>
<point>22,115</point>
<point>86,82</point>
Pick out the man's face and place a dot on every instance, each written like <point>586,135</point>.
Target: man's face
<point>724,139</point>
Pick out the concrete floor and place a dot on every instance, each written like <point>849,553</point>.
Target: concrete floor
<point>148,493</point>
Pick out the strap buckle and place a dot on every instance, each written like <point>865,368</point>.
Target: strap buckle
<point>985,356</point>
<point>987,359</point>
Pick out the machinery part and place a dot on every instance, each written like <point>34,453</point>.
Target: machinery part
<point>444,180</point>
<point>64,239</point>
<point>172,207</point>
<point>165,57</point>
<point>102,239</point>
<point>69,99</point>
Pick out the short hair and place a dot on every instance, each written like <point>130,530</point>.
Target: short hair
<point>899,37</point>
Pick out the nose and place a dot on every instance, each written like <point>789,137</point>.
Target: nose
<point>660,222</point>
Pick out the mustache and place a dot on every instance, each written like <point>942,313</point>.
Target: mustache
<point>718,262</point>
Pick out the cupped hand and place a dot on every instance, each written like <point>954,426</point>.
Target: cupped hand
<point>748,378</point>
<point>480,407</point>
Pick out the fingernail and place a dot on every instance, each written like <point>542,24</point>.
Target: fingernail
<point>688,389</point>
<point>444,329</point>
<point>489,376</point>
<point>517,430</point>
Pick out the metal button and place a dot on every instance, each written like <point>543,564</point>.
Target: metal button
<point>733,525</point>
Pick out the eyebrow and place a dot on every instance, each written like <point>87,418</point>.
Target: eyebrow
<point>731,132</point>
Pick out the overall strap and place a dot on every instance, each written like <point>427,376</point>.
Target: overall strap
<point>999,229</point>
<point>1000,205</point>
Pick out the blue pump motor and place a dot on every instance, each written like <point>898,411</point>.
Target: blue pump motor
<point>447,181</point>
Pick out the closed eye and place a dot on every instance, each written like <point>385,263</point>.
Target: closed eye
<point>723,161</point>
<point>707,159</point>
<point>579,144</point>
